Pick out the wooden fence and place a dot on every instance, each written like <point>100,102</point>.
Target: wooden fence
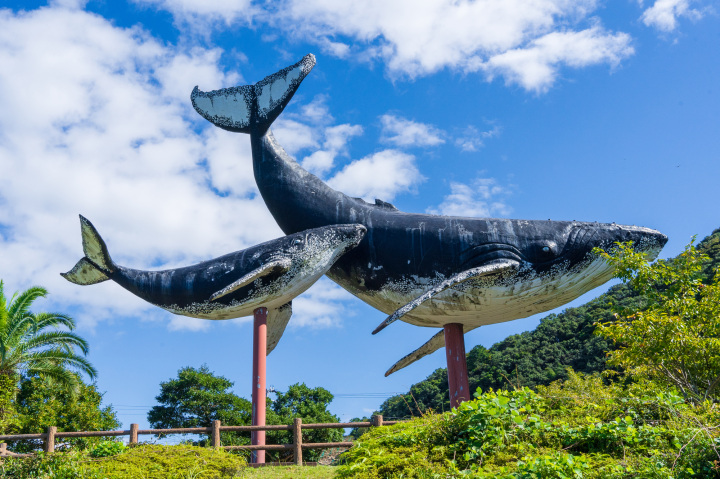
<point>214,431</point>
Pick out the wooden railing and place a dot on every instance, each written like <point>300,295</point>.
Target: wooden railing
<point>214,431</point>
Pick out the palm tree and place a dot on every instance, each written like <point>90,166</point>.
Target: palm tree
<point>31,343</point>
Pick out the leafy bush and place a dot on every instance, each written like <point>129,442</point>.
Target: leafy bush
<point>145,461</point>
<point>107,448</point>
<point>579,428</point>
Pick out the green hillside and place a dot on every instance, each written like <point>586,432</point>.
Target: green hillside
<point>536,357</point>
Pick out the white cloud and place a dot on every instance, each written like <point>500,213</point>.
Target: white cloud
<point>535,66</point>
<point>403,132</point>
<point>381,175</point>
<point>322,306</point>
<point>95,121</point>
<point>336,139</point>
<point>202,14</point>
<point>484,197</point>
<point>472,139</point>
<point>525,42</point>
<point>664,14</point>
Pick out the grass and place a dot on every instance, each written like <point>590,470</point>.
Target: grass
<point>289,472</point>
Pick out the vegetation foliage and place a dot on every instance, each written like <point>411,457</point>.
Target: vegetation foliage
<point>578,428</point>
<point>310,405</point>
<point>145,461</point>
<point>41,403</point>
<point>675,339</point>
<point>34,344</point>
<point>196,398</point>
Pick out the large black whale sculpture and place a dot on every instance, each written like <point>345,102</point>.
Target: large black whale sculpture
<point>424,269</point>
<point>270,275</point>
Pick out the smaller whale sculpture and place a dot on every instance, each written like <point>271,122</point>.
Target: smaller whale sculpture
<point>267,275</point>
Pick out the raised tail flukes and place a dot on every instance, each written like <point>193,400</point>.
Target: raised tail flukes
<point>97,264</point>
<point>252,108</point>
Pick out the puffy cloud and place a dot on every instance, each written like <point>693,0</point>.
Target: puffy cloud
<point>664,14</point>
<point>322,306</point>
<point>336,139</point>
<point>381,175</point>
<point>484,197</point>
<point>202,14</point>
<point>403,132</point>
<point>535,67</point>
<point>96,120</point>
<point>526,42</point>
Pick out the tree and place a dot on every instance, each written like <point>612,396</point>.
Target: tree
<point>31,344</point>
<point>676,338</point>
<point>309,404</point>
<point>41,403</point>
<point>197,398</point>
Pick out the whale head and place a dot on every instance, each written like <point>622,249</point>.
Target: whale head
<point>315,250</point>
<point>556,263</point>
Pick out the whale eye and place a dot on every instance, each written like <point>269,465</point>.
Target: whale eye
<point>297,242</point>
<point>544,251</point>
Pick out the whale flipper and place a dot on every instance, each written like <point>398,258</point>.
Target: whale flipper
<point>96,265</point>
<point>496,267</point>
<point>252,107</point>
<point>277,320</point>
<point>435,343</point>
<point>279,266</point>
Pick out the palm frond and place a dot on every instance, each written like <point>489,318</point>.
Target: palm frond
<point>58,357</point>
<point>20,304</point>
<point>58,375</point>
<point>46,320</point>
<point>56,339</point>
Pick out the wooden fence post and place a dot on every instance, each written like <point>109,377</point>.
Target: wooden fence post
<point>297,440</point>
<point>377,420</point>
<point>3,448</point>
<point>50,439</point>
<point>216,433</point>
<point>134,433</point>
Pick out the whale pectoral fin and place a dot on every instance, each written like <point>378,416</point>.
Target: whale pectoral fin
<point>435,343</point>
<point>495,267</point>
<point>280,265</point>
<point>277,320</point>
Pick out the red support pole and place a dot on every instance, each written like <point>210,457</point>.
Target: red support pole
<point>258,387</point>
<point>456,364</point>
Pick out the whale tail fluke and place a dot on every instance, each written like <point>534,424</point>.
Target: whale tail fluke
<point>252,108</point>
<point>97,264</point>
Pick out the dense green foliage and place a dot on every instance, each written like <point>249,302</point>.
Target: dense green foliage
<point>578,428</point>
<point>310,405</point>
<point>145,461</point>
<point>543,355</point>
<point>676,338</point>
<point>42,403</point>
<point>196,398</point>
<point>33,344</point>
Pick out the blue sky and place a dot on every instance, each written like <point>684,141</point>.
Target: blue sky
<point>586,110</point>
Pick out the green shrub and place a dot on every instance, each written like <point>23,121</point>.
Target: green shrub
<point>145,461</point>
<point>107,448</point>
<point>579,428</point>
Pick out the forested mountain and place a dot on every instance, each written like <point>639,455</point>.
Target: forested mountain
<point>539,356</point>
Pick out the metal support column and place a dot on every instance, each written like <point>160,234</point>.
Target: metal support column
<point>456,364</point>
<point>258,387</point>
